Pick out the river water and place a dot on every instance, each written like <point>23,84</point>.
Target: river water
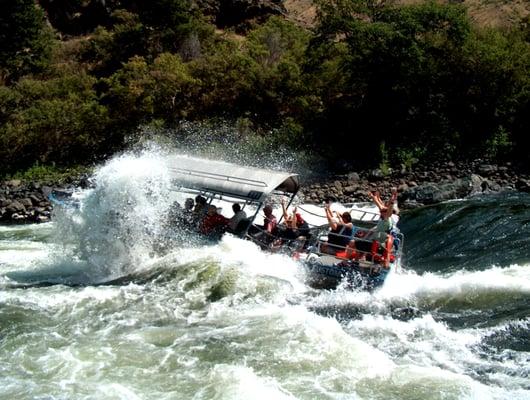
<point>91,308</point>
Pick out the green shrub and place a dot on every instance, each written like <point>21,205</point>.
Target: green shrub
<point>384,162</point>
<point>59,120</point>
<point>499,145</point>
<point>173,87</point>
<point>127,96</point>
<point>409,157</point>
<point>49,173</point>
<point>225,80</point>
<point>107,49</point>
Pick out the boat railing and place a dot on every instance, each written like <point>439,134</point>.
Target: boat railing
<point>261,237</point>
<point>361,208</point>
<point>357,213</point>
<point>219,177</point>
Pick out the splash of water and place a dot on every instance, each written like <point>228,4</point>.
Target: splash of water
<point>121,224</point>
<point>115,228</point>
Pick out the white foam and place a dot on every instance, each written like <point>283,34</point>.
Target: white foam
<point>118,221</point>
<point>57,298</point>
<point>463,284</point>
<point>21,253</point>
<point>33,228</point>
<point>250,261</point>
<point>117,391</point>
<point>239,382</point>
<point>152,340</point>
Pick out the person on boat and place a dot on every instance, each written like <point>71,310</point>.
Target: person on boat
<point>238,216</point>
<point>386,214</point>
<point>341,231</point>
<point>200,205</point>
<point>187,219</point>
<point>213,223</point>
<point>288,220</point>
<point>294,225</point>
<point>189,204</point>
<point>174,211</point>
<point>301,225</point>
<point>265,234</point>
<point>382,237</point>
<point>270,223</point>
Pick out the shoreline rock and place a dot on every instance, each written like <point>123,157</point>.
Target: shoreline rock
<point>28,202</point>
<point>20,202</point>
<point>429,185</point>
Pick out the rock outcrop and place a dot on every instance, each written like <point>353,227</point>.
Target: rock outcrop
<point>28,202</point>
<point>24,203</point>
<point>430,185</point>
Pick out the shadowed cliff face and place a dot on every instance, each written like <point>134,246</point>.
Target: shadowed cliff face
<point>236,12</point>
<point>75,17</point>
<point>80,17</point>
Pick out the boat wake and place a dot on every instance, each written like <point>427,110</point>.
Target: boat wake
<point>106,291</point>
<point>118,235</point>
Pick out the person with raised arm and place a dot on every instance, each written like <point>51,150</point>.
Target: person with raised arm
<point>385,225</point>
<point>386,222</point>
<point>269,220</point>
<point>295,225</point>
<point>287,219</point>
<point>341,231</point>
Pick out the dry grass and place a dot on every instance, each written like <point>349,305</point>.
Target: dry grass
<point>487,13</point>
<point>303,12</point>
<point>497,13</point>
<point>66,55</point>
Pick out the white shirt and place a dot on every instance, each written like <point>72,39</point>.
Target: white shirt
<point>238,216</point>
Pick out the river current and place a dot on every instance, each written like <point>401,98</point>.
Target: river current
<point>91,307</point>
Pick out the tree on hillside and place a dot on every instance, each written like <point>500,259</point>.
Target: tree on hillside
<point>25,39</point>
<point>395,68</point>
<point>170,24</point>
<point>107,50</point>
<point>58,120</point>
<point>147,29</point>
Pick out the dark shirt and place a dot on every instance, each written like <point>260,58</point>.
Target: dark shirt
<point>340,236</point>
<point>302,229</point>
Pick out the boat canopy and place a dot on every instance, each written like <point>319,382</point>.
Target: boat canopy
<point>212,176</point>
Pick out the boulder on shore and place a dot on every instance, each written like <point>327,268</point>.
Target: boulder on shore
<point>431,193</point>
<point>22,202</point>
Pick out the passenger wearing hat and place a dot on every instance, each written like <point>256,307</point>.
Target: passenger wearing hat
<point>213,222</point>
